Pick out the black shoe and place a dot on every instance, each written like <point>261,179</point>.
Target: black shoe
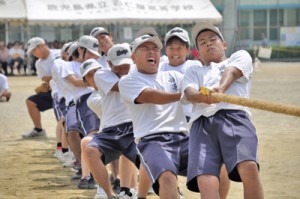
<point>87,183</point>
<point>77,175</point>
<point>116,185</point>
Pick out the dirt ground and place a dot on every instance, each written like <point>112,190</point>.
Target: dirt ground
<point>29,170</point>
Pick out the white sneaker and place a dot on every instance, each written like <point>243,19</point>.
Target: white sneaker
<point>59,155</point>
<point>122,195</point>
<point>69,159</point>
<point>34,134</point>
<point>100,193</point>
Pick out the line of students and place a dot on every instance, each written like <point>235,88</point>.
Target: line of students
<point>139,100</point>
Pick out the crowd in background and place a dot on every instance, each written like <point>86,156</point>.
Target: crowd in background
<point>25,65</point>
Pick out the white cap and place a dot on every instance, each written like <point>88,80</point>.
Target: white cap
<point>88,65</point>
<point>178,32</point>
<point>143,39</point>
<point>204,26</point>
<point>119,54</point>
<point>73,46</point>
<point>65,46</point>
<point>90,43</point>
<point>98,30</point>
<point>146,31</point>
<point>34,42</point>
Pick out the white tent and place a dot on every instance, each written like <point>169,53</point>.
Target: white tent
<point>75,12</point>
<point>12,10</point>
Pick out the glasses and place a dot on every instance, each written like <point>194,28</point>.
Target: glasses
<point>147,49</point>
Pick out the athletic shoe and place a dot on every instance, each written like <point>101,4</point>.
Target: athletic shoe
<point>100,193</point>
<point>123,195</point>
<point>77,175</point>
<point>86,183</point>
<point>76,166</point>
<point>116,185</point>
<point>59,155</point>
<point>34,134</point>
<point>69,159</point>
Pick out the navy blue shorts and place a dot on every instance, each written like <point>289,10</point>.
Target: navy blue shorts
<point>227,137</point>
<point>72,123</point>
<point>164,152</point>
<point>43,101</point>
<point>115,141</point>
<point>87,119</point>
<point>59,107</point>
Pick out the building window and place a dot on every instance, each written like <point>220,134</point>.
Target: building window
<point>2,32</point>
<point>260,25</point>
<point>244,18</point>
<point>244,25</point>
<point>298,17</point>
<point>260,18</point>
<point>276,17</point>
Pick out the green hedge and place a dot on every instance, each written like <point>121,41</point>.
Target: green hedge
<point>282,52</point>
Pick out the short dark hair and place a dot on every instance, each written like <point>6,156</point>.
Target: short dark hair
<point>172,39</point>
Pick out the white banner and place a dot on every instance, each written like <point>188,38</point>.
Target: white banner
<point>12,10</point>
<point>120,11</point>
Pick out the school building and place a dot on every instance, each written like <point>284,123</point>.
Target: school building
<point>244,23</point>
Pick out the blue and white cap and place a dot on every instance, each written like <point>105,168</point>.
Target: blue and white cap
<point>143,39</point>
<point>90,43</point>
<point>119,54</point>
<point>178,32</point>
<point>88,65</point>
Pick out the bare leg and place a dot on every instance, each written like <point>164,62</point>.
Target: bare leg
<point>114,166</point>
<point>34,113</point>
<point>126,171</point>
<point>64,138</point>
<point>208,186</point>
<point>134,179</point>
<point>74,142</point>
<point>168,186</point>
<point>59,130</point>
<point>144,183</point>
<point>99,170</point>
<point>84,160</point>
<point>251,181</point>
<point>84,167</point>
<point>224,183</point>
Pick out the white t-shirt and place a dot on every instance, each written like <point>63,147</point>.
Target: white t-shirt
<point>187,108</point>
<point>153,118</point>
<point>77,92</point>
<point>56,71</point>
<point>103,62</point>
<point>94,102</point>
<point>210,76</point>
<point>3,84</point>
<point>113,107</point>
<point>44,66</point>
<point>12,52</point>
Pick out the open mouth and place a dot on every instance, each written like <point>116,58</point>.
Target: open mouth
<point>151,60</point>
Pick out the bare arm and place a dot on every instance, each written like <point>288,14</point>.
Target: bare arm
<point>155,96</point>
<point>47,78</point>
<point>230,75</point>
<point>76,82</point>
<point>195,96</point>
<point>115,87</point>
